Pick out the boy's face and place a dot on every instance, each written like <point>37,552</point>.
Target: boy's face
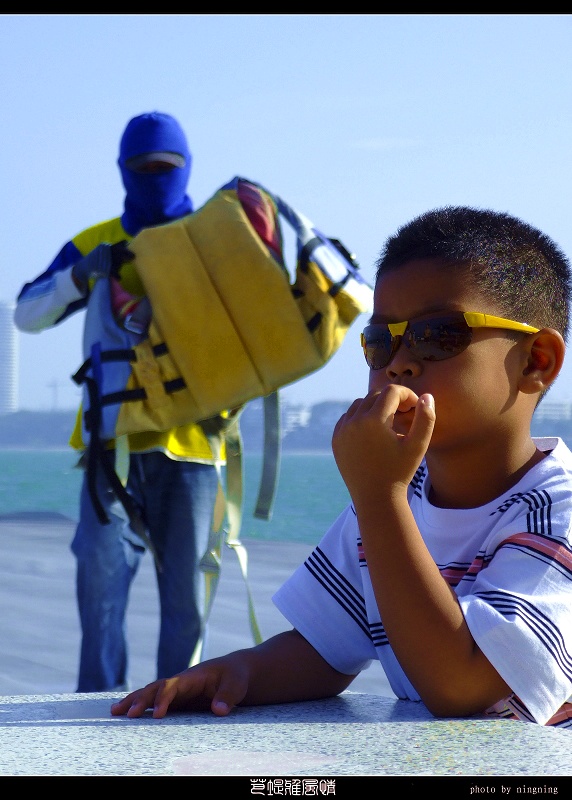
<point>475,391</point>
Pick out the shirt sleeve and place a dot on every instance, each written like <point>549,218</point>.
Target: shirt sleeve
<point>324,600</point>
<point>52,296</point>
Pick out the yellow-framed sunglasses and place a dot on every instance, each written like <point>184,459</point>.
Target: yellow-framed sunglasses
<point>432,338</point>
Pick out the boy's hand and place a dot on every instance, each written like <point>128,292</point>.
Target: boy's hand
<point>372,455</point>
<point>282,669</point>
<point>218,684</point>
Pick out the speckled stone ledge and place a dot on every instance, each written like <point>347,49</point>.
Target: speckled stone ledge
<point>353,734</point>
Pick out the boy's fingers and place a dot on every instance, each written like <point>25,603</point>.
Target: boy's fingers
<point>120,707</point>
<point>134,704</point>
<point>426,406</point>
<point>191,689</point>
<point>423,423</point>
<point>220,707</point>
<point>177,693</point>
<point>398,398</point>
<point>159,696</point>
<point>230,693</point>
<point>163,702</point>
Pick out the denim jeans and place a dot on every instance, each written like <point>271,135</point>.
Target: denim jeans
<point>177,500</point>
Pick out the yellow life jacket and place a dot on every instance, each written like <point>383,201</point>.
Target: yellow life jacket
<point>228,324</point>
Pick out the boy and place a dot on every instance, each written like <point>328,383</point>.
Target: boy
<point>453,563</point>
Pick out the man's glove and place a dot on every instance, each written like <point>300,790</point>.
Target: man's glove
<point>104,261</point>
<point>120,254</point>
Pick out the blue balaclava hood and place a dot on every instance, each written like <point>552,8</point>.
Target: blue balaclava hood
<point>152,199</point>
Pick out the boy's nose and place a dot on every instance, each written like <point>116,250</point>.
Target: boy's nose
<point>402,363</point>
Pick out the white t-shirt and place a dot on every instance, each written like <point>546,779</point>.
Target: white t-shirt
<point>510,564</point>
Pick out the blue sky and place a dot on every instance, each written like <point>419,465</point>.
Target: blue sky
<point>359,121</point>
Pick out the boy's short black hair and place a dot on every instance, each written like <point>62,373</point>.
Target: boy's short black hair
<point>520,268</point>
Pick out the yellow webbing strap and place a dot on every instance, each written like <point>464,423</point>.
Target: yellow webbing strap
<point>122,458</point>
<point>210,567</point>
<point>227,505</point>
<point>271,462</point>
<point>234,487</point>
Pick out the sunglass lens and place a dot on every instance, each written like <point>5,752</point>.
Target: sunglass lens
<point>438,339</point>
<point>376,346</point>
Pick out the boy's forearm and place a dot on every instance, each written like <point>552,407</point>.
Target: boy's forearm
<point>421,614</point>
<point>286,668</point>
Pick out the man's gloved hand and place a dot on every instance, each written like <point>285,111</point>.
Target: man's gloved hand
<point>120,254</point>
<point>104,261</point>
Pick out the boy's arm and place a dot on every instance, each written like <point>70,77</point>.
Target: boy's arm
<point>421,615</point>
<point>283,669</point>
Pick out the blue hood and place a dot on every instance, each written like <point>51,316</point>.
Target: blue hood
<point>152,199</point>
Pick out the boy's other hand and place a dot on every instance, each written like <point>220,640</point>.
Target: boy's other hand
<point>218,684</point>
<point>382,438</point>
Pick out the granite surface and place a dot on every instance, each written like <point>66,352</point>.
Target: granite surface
<point>351,735</point>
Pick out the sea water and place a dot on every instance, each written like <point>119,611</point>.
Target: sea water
<point>310,492</point>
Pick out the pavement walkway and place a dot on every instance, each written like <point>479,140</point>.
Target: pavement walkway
<point>46,729</point>
<point>39,626</point>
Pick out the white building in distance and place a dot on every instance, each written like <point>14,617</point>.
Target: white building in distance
<point>9,354</point>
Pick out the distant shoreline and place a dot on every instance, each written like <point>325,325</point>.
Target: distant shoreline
<point>300,435</point>
<point>23,448</point>
<point>59,449</point>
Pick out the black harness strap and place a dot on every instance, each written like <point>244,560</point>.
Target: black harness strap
<point>98,457</point>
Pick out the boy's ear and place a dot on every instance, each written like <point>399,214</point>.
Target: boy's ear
<point>544,358</point>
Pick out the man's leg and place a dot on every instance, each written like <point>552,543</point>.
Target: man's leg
<point>107,560</point>
<point>179,499</point>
